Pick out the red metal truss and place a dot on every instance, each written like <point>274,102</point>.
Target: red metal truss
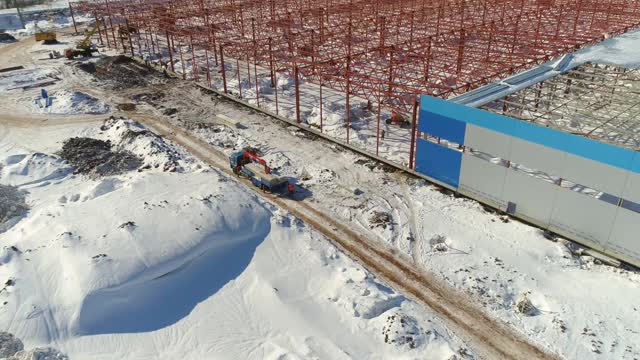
<point>386,51</point>
<point>395,48</point>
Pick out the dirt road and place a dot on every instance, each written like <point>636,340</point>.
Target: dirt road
<point>488,338</point>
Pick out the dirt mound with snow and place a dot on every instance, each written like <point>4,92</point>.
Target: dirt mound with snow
<point>155,152</point>
<point>11,348</point>
<point>75,102</point>
<point>12,202</point>
<point>9,344</point>
<point>95,157</point>
<point>121,72</point>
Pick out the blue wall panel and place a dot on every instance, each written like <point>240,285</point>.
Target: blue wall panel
<point>438,162</point>
<point>434,108</point>
<point>442,126</point>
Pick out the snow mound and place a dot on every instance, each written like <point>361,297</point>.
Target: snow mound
<point>405,332</point>
<point>9,344</point>
<point>75,102</point>
<point>35,168</point>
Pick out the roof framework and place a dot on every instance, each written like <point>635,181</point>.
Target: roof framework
<point>389,48</point>
<point>596,101</point>
<point>385,51</point>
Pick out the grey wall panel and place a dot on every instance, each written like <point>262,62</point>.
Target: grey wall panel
<point>488,141</point>
<point>482,178</point>
<point>632,191</point>
<point>583,215</point>
<point>594,174</point>
<point>625,237</point>
<point>533,197</point>
<point>537,157</point>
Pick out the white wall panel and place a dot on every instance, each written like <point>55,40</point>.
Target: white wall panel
<point>583,215</point>
<point>594,174</point>
<point>537,157</point>
<point>482,178</point>
<point>632,191</point>
<point>487,141</point>
<point>625,237</point>
<point>533,197</point>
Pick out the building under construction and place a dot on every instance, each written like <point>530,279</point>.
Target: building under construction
<point>385,52</point>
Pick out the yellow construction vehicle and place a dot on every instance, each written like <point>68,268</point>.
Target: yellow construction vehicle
<point>84,47</point>
<point>49,37</point>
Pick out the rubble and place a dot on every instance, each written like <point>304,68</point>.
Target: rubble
<point>9,344</point>
<point>525,306</point>
<point>96,158</point>
<point>380,219</point>
<point>12,202</point>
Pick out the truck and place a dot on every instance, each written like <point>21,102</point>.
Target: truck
<point>247,163</point>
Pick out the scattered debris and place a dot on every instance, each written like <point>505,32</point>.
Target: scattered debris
<point>439,243</point>
<point>403,330</point>
<point>128,225</point>
<point>373,164</point>
<point>550,235</point>
<point>525,306</point>
<point>94,157</point>
<point>380,219</point>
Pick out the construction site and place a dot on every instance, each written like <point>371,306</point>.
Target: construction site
<point>331,179</point>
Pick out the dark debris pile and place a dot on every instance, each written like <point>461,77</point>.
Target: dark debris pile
<point>96,158</point>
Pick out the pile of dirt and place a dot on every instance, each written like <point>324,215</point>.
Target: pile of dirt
<point>12,202</point>
<point>96,158</point>
<point>121,72</point>
<point>87,67</point>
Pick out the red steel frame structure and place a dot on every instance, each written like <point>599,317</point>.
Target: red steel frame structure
<point>385,51</point>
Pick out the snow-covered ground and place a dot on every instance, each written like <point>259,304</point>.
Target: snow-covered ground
<point>292,294</point>
<point>189,264</point>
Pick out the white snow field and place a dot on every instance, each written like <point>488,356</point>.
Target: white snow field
<point>136,298</point>
<point>185,264</point>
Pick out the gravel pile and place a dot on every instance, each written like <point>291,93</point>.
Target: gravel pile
<point>12,202</point>
<point>96,158</point>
